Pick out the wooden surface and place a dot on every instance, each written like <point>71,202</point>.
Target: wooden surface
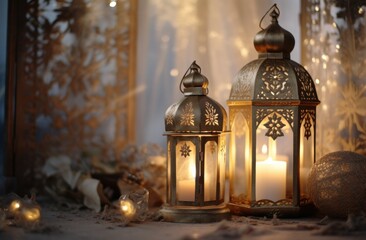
<point>88,225</point>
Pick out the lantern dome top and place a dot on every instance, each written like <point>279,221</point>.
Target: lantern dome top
<point>273,78</point>
<point>274,39</point>
<point>196,112</point>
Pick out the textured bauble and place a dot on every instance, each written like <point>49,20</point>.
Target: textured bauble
<point>337,184</point>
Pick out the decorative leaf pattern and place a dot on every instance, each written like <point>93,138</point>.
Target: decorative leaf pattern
<point>187,116</point>
<point>211,115</point>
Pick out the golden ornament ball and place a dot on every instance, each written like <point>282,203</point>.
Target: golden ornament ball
<point>337,184</point>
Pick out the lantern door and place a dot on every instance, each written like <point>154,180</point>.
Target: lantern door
<point>274,158</point>
<point>184,170</point>
<point>196,170</point>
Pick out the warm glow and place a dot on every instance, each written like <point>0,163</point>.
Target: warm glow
<point>113,3</point>
<point>244,52</point>
<point>264,149</point>
<point>325,57</point>
<point>271,179</point>
<point>127,208</point>
<point>14,206</point>
<point>174,72</point>
<point>31,214</point>
<point>192,170</point>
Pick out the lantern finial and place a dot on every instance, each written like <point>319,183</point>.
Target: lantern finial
<point>274,41</point>
<point>193,81</point>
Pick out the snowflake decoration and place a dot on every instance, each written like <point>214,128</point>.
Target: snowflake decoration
<point>185,150</point>
<point>307,126</point>
<point>211,115</point>
<point>274,126</point>
<point>187,117</point>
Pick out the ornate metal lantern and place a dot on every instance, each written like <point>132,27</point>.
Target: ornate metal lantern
<point>272,112</point>
<point>196,142</point>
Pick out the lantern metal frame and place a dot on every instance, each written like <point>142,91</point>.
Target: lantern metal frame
<point>196,120</point>
<point>273,85</point>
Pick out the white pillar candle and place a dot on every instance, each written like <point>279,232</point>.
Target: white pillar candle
<point>186,187</point>
<point>186,190</point>
<point>271,180</point>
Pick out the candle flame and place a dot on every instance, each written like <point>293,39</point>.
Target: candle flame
<point>264,149</point>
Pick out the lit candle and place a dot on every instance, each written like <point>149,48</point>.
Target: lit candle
<point>271,179</point>
<point>186,187</point>
<point>127,208</point>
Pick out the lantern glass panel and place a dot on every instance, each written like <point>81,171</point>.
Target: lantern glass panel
<point>274,158</point>
<point>222,164</point>
<point>210,175</point>
<point>186,170</point>
<point>240,158</point>
<point>306,153</point>
<point>168,167</point>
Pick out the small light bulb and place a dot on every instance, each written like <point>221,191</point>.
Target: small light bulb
<point>31,214</point>
<point>127,208</point>
<point>112,3</point>
<point>14,206</point>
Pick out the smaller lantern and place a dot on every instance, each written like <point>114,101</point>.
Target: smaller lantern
<point>196,142</point>
<point>272,111</point>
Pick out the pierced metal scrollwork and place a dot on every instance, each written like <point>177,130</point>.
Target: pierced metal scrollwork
<point>187,116</point>
<point>288,114</point>
<point>275,84</point>
<point>169,119</point>
<point>211,115</point>
<point>242,88</point>
<point>307,89</point>
<point>267,202</point>
<point>274,126</point>
<point>308,116</point>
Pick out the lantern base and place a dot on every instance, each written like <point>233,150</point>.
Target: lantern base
<point>190,214</point>
<point>269,211</point>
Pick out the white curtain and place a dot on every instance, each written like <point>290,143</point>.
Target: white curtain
<point>217,34</point>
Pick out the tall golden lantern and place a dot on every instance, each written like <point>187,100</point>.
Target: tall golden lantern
<point>272,116</point>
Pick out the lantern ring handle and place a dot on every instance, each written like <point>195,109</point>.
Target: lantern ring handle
<point>185,74</point>
<point>275,8</point>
